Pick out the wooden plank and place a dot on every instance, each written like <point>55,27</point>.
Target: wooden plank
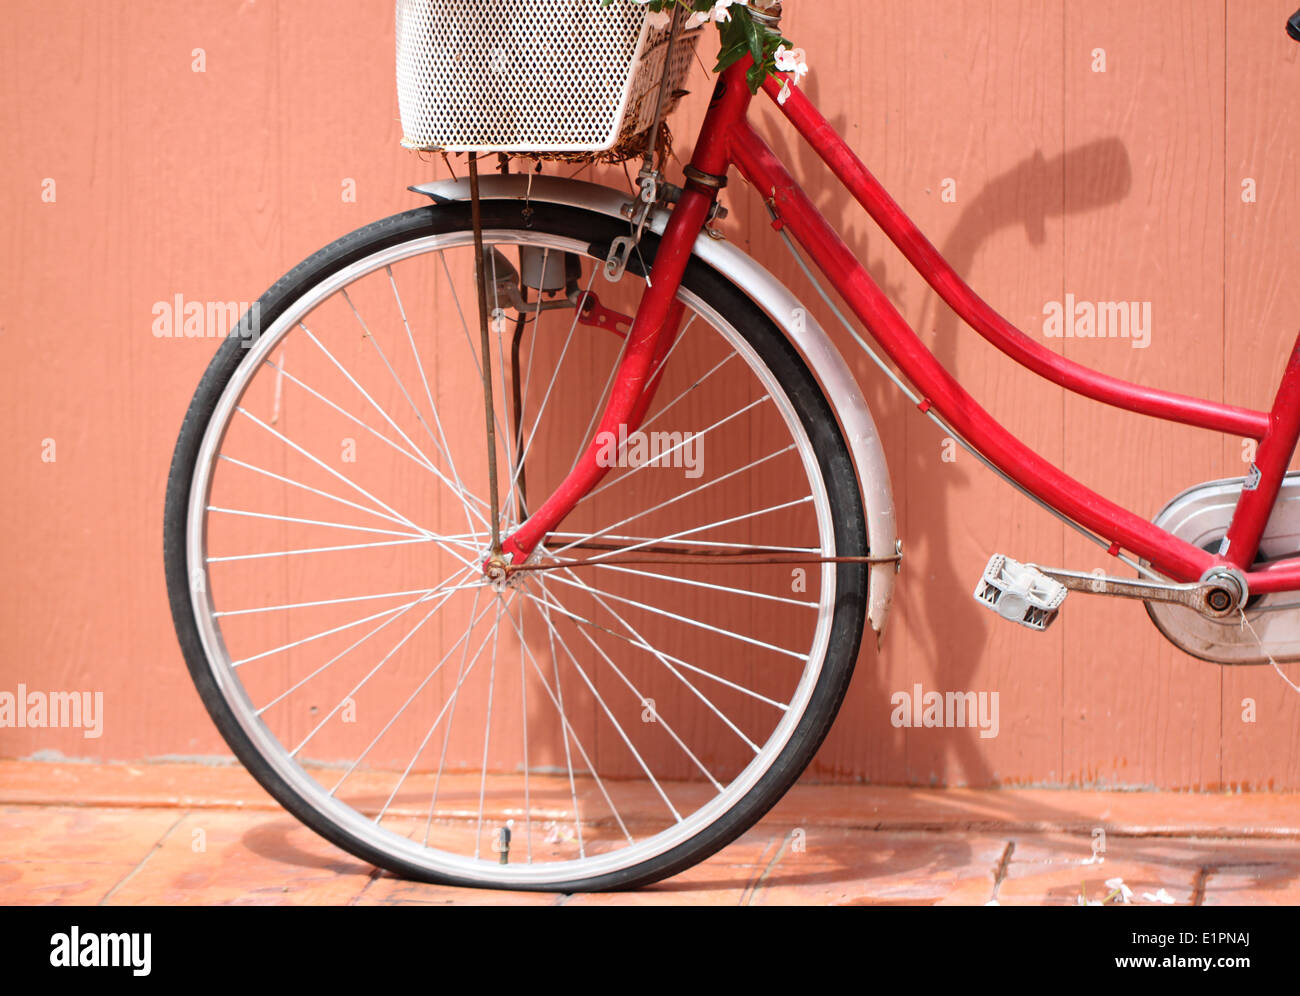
<point>1261,715</point>
<point>1134,711</point>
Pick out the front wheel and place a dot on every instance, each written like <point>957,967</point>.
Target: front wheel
<point>599,725</point>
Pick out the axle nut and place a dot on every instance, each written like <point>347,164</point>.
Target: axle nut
<point>1219,600</point>
<point>1225,590</point>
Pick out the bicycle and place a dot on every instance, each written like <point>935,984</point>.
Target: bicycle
<point>374,529</point>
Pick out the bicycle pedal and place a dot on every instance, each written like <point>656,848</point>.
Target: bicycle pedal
<point>1020,592</point>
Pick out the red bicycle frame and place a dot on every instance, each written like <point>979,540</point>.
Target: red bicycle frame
<point>728,139</point>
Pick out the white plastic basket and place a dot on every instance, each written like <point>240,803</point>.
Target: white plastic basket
<point>561,76</point>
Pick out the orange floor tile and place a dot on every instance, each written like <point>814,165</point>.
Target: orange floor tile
<point>180,834</point>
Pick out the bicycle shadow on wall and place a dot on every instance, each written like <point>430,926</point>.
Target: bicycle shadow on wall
<point>1025,197</point>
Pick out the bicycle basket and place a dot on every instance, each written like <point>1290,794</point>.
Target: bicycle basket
<point>533,76</point>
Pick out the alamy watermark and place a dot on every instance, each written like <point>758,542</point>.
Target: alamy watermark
<point>56,710</point>
<point>1071,319</point>
<point>922,709</point>
<point>182,319</point>
<point>682,450</point>
<point>92,949</point>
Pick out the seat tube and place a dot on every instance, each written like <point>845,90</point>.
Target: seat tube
<point>1267,470</point>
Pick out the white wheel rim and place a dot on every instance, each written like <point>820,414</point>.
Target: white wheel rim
<point>348,819</point>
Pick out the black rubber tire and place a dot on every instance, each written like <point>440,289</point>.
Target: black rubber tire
<point>784,361</point>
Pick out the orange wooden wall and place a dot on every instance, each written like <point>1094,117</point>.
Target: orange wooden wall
<point>1113,186</point>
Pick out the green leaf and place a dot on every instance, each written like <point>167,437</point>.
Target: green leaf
<point>753,34</point>
<point>731,53</point>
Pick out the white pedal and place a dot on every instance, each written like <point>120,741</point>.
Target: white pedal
<point>1019,592</point>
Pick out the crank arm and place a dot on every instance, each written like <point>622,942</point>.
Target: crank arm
<point>1218,595</point>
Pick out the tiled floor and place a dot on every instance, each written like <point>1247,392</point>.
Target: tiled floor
<point>183,833</point>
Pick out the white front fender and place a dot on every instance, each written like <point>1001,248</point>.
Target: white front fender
<point>796,321</point>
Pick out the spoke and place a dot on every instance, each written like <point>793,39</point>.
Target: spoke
<point>393,719</point>
<point>655,417</point>
<point>642,700</point>
<point>365,329</point>
<point>293,688</point>
<point>523,713</point>
<point>571,732</point>
<point>673,449</point>
<point>487,730</point>
<point>554,376</point>
<point>682,497</point>
<point>339,656</point>
<point>651,650</point>
<point>389,419</point>
<point>456,488</point>
<point>315,491</point>
<point>652,419</point>
<point>326,467</point>
<point>315,522</point>
<point>473,351</point>
<point>325,549</point>
<point>568,758</point>
<point>423,743</point>
<point>383,413</point>
<point>371,673</point>
<point>340,629</point>
<point>433,408</point>
<point>618,726</point>
<point>446,737</point>
<point>687,620</point>
<point>327,601</point>
<point>418,459</point>
<point>663,659</point>
<point>600,406</point>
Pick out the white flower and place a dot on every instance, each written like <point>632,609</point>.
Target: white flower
<point>1158,897</point>
<point>790,60</point>
<point>1117,885</point>
<point>718,12</point>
